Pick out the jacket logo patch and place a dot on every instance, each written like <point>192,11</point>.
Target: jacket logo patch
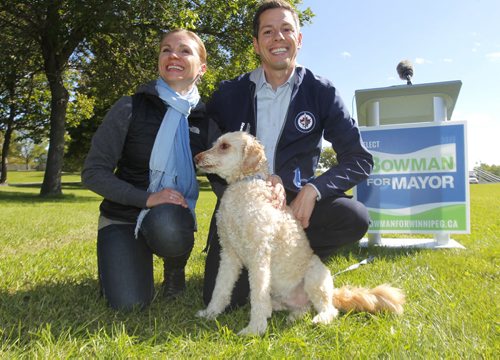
<point>194,129</point>
<point>305,121</point>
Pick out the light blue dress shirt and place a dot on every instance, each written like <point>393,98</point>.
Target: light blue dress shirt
<point>272,108</point>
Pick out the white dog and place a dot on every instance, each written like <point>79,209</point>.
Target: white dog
<point>284,274</point>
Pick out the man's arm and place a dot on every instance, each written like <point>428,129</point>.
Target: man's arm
<point>354,161</point>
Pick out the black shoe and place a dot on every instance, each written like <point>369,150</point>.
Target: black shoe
<point>174,283</point>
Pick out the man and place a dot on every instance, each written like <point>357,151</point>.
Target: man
<point>290,109</point>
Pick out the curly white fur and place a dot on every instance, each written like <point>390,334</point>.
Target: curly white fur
<point>284,273</point>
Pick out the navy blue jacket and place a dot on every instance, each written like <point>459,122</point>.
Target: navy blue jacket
<point>315,110</point>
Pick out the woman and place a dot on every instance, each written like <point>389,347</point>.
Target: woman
<point>140,161</point>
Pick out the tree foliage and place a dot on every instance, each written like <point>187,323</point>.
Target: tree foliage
<point>22,93</point>
<point>493,169</point>
<point>57,27</point>
<point>328,158</point>
<point>109,47</point>
<point>116,64</point>
<point>26,151</point>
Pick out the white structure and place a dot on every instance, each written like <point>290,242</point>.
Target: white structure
<point>407,103</point>
<point>403,104</point>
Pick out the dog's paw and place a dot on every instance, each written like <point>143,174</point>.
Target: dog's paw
<point>326,317</point>
<point>254,329</point>
<point>296,315</point>
<point>250,331</point>
<point>206,314</point>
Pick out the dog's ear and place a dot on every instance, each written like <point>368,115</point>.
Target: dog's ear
<point>253,157</point>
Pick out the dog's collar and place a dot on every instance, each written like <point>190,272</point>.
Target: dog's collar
<point>254,177</point>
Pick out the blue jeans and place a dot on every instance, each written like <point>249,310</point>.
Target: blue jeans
<point>125,264</point>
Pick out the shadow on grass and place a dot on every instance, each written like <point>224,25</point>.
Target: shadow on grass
<point>74,309</point>
<point>77,310</point>
<point>19,196</point>
<point>361,253</point>
<point>66,185</point>
<point>31,197</point>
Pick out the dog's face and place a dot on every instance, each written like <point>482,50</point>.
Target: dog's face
<point>234,156</point>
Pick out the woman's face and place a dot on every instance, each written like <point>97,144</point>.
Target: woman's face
<point>179,63</point>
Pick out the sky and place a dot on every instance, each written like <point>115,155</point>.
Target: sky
<point>357,44</point>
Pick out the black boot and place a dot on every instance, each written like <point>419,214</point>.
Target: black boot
<point>174,283</point>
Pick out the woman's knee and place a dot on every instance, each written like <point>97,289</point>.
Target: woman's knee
<point>169,230</point>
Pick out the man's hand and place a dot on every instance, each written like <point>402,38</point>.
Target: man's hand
<point>166,196</point>
<point>278,191</point>
<point>303,205</point>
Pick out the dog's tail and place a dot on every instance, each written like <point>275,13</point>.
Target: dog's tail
<point>381,298</point>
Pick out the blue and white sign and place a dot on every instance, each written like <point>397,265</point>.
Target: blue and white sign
<point>419,180</point>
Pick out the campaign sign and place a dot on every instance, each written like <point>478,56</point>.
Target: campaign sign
<point>419,178</point>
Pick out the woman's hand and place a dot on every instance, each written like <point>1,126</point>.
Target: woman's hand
<point>166,196</point>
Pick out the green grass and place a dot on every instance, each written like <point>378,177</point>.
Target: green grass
<point>24,177</point>
<point>50,307</point>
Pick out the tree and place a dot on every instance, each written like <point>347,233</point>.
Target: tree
<point>115,64</point>
<point>58,27</point>
<point>21,92</point>
<point>493,169</point>
<point>328,158</point>
<point>102,38</point>
<point>26,151</point>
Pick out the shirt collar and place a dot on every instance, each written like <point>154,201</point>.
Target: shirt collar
<point>259,78</point>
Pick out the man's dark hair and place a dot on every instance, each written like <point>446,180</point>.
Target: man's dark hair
<point>272,4</point>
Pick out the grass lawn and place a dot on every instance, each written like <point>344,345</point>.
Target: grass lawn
<point>50,307</point>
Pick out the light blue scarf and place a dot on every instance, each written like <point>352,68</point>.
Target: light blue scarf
<point>171,161</point>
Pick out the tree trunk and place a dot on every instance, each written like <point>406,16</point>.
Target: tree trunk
<point>7,138</point>
<point>52,178</point>
<point>5,152</point>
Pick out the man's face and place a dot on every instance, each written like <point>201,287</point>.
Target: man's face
<point>279,40</point>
